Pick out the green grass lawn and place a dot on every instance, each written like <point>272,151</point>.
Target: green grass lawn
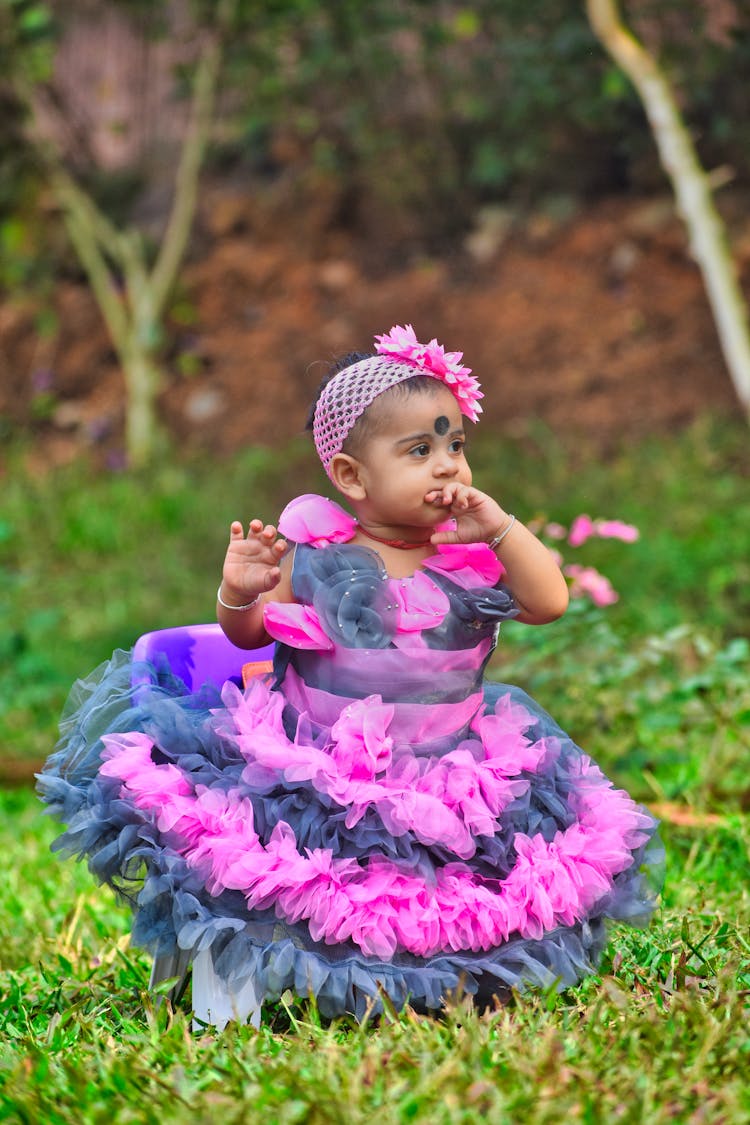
<point>656,687</point>
<point>661,1035</point>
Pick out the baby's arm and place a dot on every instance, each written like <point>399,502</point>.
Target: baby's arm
<point>254,573</point>
<point>536,582</point>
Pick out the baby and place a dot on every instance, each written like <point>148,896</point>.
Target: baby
<point>373,819</point>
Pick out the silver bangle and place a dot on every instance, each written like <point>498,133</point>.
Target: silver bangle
<point>238,608</point>
<point>495,543</point>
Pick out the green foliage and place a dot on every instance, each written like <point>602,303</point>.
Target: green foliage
<point>27,38</point>
<point>433,109</point>
<point>90,561</point>
<point>27,35</point>
<point>423,111</point>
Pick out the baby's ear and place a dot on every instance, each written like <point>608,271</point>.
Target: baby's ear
<point>346,476</point>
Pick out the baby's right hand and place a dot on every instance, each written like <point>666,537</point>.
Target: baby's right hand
<point>251,564</point>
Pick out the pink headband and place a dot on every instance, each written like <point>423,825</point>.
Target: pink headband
<point>349,393</point>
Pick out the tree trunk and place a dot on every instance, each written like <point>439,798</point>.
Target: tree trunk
<point>143,433</point>
<point>133,301</point>
<point>692,188</point>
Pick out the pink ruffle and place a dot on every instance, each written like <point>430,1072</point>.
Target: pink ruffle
<point>447,800</point>
<point>316,520</point>
<point>380,907</point>
<point>467,564</point>
<point>129,759</point>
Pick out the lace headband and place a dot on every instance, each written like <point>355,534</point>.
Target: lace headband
<point>400,356</point>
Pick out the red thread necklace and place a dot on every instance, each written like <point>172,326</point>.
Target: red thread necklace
<point>399,544</point>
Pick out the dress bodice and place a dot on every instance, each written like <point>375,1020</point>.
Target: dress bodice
<point>419,643</point>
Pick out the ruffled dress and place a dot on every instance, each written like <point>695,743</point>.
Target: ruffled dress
<point>371,820</point>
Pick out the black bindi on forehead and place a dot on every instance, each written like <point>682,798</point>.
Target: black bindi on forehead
<point>442,425</point>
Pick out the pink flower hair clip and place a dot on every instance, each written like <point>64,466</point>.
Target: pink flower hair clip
<point>401,343</point>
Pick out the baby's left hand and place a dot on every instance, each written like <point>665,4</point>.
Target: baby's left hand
<point>478,517</point>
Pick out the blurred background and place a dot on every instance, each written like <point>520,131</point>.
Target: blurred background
<point>202,204</point>
<point>482,170</point>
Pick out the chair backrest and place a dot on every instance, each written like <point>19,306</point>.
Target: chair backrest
<point>198,654</point>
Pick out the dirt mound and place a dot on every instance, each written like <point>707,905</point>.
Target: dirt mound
<point>595,323</point>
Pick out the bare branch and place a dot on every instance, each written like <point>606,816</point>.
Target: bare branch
<point>185,201</point>
<point>692,188</point>
<point>86,226</point>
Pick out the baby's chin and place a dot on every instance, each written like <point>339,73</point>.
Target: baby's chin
<point>438,518</point>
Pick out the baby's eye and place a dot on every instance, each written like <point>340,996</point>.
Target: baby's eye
<point>422,450</point>
<point>457,445</point>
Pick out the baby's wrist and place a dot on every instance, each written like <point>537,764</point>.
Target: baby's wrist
<point>504,529</point>
<point>229,598</point>
<point>494,519</point>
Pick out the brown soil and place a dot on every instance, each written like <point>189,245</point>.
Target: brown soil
<point>596,325</point>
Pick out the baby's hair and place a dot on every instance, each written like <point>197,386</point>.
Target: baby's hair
<point>367,425</point>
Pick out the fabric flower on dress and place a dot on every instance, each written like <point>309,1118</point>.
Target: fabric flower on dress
<point>344,559</point>
<point>485,606</point>
<point>432,359</point>
<point>296,625</point>
<point>338,561</point>
<point>422,604</point>
<point>356,610</point>
<point>349,590</point>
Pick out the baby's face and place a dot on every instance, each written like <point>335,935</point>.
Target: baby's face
<point>418,447</point>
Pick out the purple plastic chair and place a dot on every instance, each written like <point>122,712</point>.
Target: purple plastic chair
<point>199,654</point>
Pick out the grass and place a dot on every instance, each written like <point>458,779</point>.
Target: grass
<point>655,686</point>
<point>660,1035</point>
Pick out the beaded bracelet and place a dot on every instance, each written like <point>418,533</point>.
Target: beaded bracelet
<point>495,543</point>
<point>238,608</point>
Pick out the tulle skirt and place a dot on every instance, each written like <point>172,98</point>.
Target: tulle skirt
<point>331,862</point>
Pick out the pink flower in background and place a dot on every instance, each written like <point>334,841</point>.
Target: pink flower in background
<point>616,529</point>
<point>555,531</point>
<point>581,529</point>
<point>588,582</point>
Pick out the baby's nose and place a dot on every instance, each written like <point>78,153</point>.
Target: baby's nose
<point>446,467</point>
